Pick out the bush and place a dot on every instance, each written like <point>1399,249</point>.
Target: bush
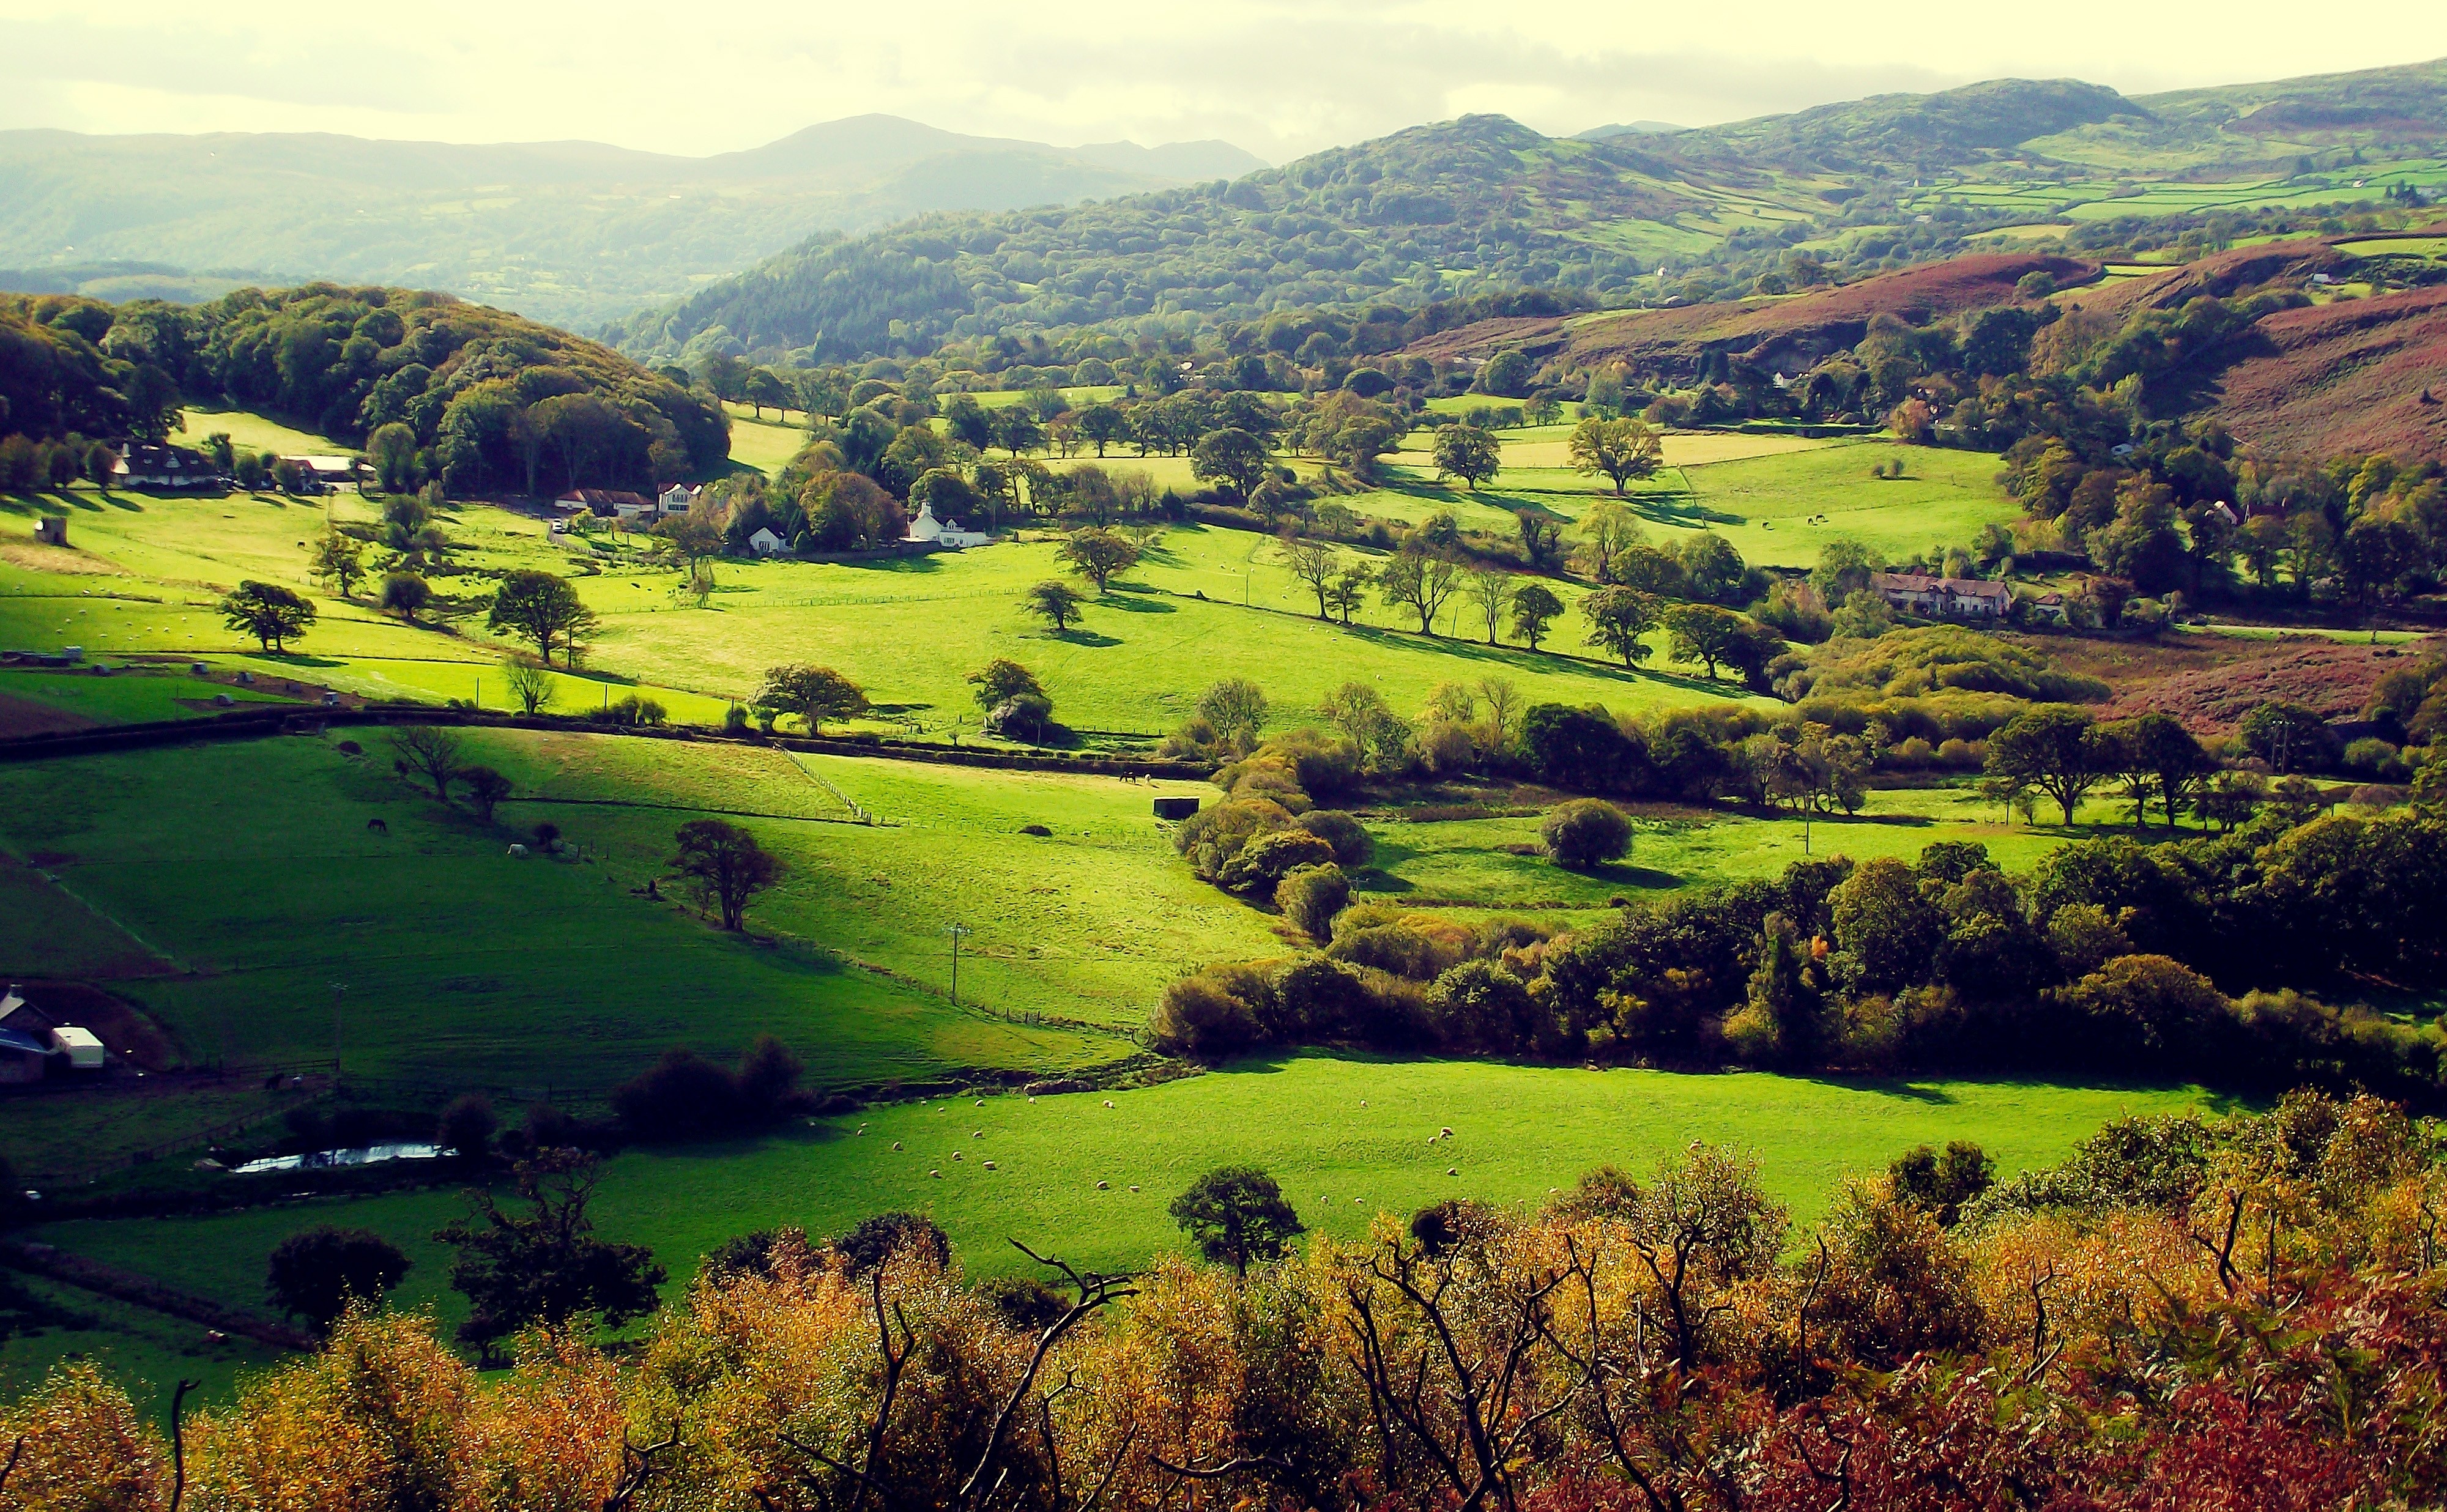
<point>1310,896</point>
<point>1267,859</point>
<point>2375,760</point>
<point>877,1239</point>
<point>684,1095</point>
<point>1200,1019</point>
<point>466,1126</point>
<point>1352,845</point>
<point>317,1274</point>
<point>1478,1005</point>
<point>1584,833</point>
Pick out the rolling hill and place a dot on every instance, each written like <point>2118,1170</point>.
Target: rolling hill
<point>571,232</point>
<point>1628,216</point>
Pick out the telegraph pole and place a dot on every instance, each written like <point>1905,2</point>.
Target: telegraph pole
<point>339,991</point>
<point>957,932</point>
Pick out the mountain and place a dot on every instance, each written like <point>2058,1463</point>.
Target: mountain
<point>573,232</point>
<point>1626,214</point>
<point>1628,129</point>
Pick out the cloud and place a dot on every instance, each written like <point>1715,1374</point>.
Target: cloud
<point>1279,78</point>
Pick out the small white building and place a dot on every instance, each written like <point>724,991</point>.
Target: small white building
<point>928,531</point>
<point>766,544</point>
<point>81,1047</point>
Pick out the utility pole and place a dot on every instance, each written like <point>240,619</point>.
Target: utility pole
<point>339,991</point>
<point>957,932</point>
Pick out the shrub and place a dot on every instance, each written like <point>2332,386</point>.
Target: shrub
<point>1586,832</point>
<point>466,1126</point>
<point>1409,949</point>
<point>2376,761</point>
<point>877,1239</point>
<point>1200,1019</point>
<point>1352,845</point>
<point>317,1274</point>
<point>684,1095</point>
<point>1310,896</point>
<point>1267,859</point>
<point>1478,1005</point>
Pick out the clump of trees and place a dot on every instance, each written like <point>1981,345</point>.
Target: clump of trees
<point>684,1095</point>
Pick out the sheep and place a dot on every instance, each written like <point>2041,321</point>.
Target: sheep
<point>1133,1188</point>
<point>977,1133</point>
<point>1104,1186</point>
<point>896,1144</point>
<point>1447,1134</point>
<point>517,850</point>
<point>1108,1102</point>
<point>377,826</point>
<point>955,1155</point>
<point>937,1175</point>
<point>990,1165</point>
<point>1452,1170</point>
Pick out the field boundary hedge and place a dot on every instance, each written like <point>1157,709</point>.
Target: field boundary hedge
<point>252,724</point>
<point>125,1286</point>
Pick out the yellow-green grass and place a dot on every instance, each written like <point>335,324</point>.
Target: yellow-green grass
<point>72,1135</point>
<point>765,444</point>
<point>127,695</point>
<point>1476,861</point>
<point>250,431</point>
<point>1778,503</point>
<point>1078,396</point>
<point>147,1353</point>
<point>2396,247</point>
<point>252,863</point>
<point>1349,1139</point>
<point>1087,923</point>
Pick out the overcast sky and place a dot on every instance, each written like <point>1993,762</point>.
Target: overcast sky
<point>1280,79</point>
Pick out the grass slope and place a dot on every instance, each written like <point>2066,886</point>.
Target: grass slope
<point>1348,1138</point>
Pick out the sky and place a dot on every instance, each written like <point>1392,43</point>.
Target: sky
<point>1280,78</point>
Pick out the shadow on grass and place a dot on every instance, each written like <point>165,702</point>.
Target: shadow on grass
<point>1076,636</point>
<point>1137,599</point>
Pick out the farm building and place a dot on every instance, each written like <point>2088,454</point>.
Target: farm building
<point>1943,598</point>
<point>52,530</point>
<point>766,544</point>
<point>147,466</point>
<point>31,1045</point>
<point>927,530</point>
<point>609,502</point>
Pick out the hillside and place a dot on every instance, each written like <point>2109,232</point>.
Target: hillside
<point>495,397</point>
<point>1630,217</point>
<point>570,232</point>
<point>2356,376</point>
<point>1785,334</point>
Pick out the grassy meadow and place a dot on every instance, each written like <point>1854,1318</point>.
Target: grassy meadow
<point>1348,1138</point>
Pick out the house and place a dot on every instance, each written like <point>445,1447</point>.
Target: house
<point>2048,609</point>
<point>927,531</point>
<point>675,499</point>
<point>142,465</point>
<point>31,1045</point>
<point>23,1058</point>
<point>612,504</point>
<point>1943,598</point>
<point>766,544</point>
<point>2222,513</point>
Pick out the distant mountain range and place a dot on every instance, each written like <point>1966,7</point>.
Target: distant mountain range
<point>571,232</point>
<point>1628,214</point>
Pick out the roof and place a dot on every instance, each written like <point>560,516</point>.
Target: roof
<point>22,1016</point>
<point>1952,587</point>
<point>602,498</point>
<point>69,1036</point>
<point>25,1044</point>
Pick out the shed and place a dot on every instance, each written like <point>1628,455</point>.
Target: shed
<point>1175,807</point>
<point>81,1047</point>
<point>23,1058</point>
<point>52,530</point>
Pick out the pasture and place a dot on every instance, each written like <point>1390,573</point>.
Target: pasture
<point>1349,1138</point>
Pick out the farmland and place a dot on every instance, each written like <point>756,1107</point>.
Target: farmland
<point>1349,1139</point>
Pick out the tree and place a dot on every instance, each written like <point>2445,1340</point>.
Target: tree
<point>1233,457</point>
<point>1002,680</point>
<point>1492,591</point>
<point>693,538</point>
<point>340,560</point>
<point>1102,425</point>
<point>486,788</point>
<point>1704,634</point>
<point>2054,751</point>
<point>467,1125</point>
<point>1237,1213</point>
<point>405,595</point>
<point>1350,591</point>
<point>545,609</point>
<point>431,750</point>
<point>1313,562</point>
<point>544,1266</point>
<point>765,387</point>
<point>1622,450</point>
<point>1619,619</point>
<point>2287,736</point>
<point>318,1274</point>
<point>391,452</point>
<point>1608,531</point>
<point>1015,429</point>
<point>2156,749</point>
<point>727,864</point>
<point>1099,554</point>
<point>1586,832</point>
<point>816,694</point>
<point>1415,578</point>
<point>1467,453</point>
<point>1885,925</point>
<point>273,614</point>
<point>1542,538</point>
<point>1941,1184</point>
<point>1534,607</point>
<point>1236,708</point>
<point>529,683</point>
<point>1055,602</point>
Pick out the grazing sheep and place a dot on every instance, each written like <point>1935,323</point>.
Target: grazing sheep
<point>896,1144</point>
<point>1108,1102</point>
<point>990,1165</point>
<point>1452,1170</point>
<point>1133,1188</point>
<point>1104,1186</point>
<point>937,1175</point>
<point>977,1133</point>
<point>955,1155</point>
<point>1447,1134</point>
<point>517,850</point>
<point>981,1102</point>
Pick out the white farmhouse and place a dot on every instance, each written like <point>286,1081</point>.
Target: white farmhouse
<point>928,531</point>
<point>765,543</point>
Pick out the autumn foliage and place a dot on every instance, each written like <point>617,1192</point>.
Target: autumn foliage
<point>2242,1314</point>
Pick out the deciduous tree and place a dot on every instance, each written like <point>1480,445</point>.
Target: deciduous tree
<point>727,864</point>
<point>1055,602</point>
<point>1619,620</point>
<point>542,607</point>
<point>271,613</point>
<point>1237,1213</point>
<point>1622,450</point>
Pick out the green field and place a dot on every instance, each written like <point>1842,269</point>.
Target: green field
<point>1348,1138</point>
<point>251,864</point>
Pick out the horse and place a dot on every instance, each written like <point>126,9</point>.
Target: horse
<point>378,827</point>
